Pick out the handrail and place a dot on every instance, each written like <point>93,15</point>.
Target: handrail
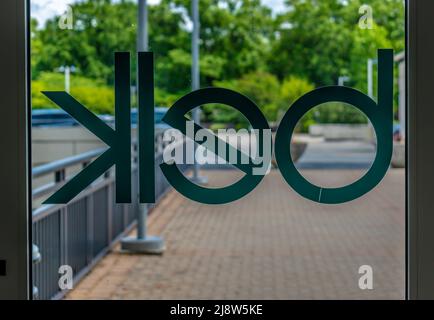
<point>66,162</point>
<point>61,164</point>
<point>94,218</point>
<point>59,167</point>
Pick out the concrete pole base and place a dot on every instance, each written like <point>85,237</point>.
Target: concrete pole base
<point>148,245</point>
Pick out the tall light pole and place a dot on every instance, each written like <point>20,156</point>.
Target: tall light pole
<point>195,71</point>
<point>67,70</point>
<point>195,78</point>
<point>370,76</point>
<point>67,79</point>
<point>370,84</point>
<point>142,26</point>
<point>143,243</point>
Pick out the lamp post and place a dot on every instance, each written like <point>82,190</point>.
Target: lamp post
<point>370,75</point>
<point>342,80</point>
<point>143,243</point>
<point>142,26</point>
<point>67,70</point>
<point>195,80</point>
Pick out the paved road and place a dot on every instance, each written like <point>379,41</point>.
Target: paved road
<point>272,244</point>
<point>338,155</point>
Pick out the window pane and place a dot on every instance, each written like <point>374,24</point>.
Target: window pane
<point>274,243</point>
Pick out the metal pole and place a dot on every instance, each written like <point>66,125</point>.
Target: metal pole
<point>142,45</point>
<point>370,78</point>
<point>195,77</point>
<point>142,27</point>
<point>195,71</point>
<point>143,243</point>
<point>67,79</point>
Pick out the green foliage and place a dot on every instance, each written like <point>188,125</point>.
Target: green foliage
<point>100,29</point>
<point>218,126</point>
<point>261,87</point>
<point>98,97</point>
<point>293,88</point>
<point>273,59</point>
<point>272,97</point>
<point>322,39</point>
<point>365,45</point>
<point>335,112</point>
<point>165,99</point>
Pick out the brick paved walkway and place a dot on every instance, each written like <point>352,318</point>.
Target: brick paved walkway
<point>273,244</point>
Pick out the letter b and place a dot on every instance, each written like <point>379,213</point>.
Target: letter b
<point>380,115</point>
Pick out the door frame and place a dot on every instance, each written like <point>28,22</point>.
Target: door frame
<point>420,151</point>
<point>14,161</point>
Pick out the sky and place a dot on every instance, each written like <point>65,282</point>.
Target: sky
<point>45,9</point>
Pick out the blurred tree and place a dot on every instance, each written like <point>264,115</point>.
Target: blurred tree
<point>234,33</point>
<point>335,112</point>
<point>100,29</point>
<point>387,14</point>
<point>262,88</point>
<point>93,94</point>
<point>244,46</point>
<point>293,88</point>
<point>321,39</point>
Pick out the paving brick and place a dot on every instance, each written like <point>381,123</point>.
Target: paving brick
<point>272,244</point>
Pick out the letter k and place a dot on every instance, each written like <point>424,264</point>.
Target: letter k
<point>119,140</point>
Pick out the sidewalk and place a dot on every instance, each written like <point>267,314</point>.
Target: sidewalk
<point>272,244</point>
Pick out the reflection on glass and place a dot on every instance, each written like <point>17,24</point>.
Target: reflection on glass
<point>270,244</point>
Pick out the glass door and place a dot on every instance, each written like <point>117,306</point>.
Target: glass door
<point>276,242</point>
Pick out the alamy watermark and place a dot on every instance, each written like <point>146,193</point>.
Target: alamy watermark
<point>366,21</point>
<point>66,281</point>
<point>213,149</point>
<point>366,281</point>
<point>66,20</point>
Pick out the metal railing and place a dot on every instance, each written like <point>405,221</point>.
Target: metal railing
<point>81,232</point>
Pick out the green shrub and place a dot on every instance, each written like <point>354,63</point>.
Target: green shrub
<point>336,112</point>
<point>93,94</point>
